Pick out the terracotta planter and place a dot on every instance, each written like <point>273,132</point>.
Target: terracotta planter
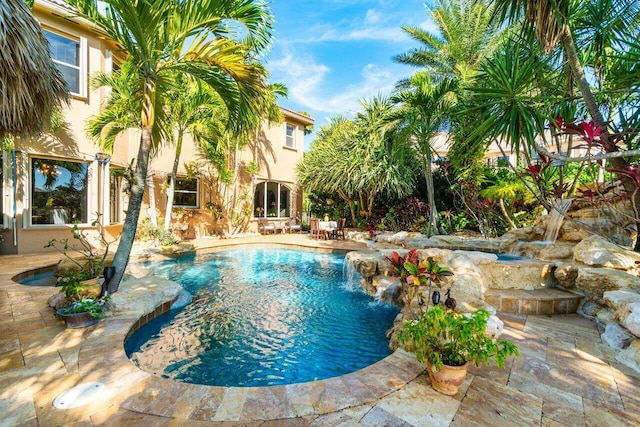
<point>448,379</point>
<point>92,287</point>
<point>78,320</point>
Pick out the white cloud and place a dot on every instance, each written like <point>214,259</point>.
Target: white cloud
<point>373,17</point>
<point>308,85</point>
<point>391,34</point>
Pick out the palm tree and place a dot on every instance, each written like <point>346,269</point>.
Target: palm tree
<point>550,20</point>
<point>195,109</point>
<point>465,35</point>
<point>423,111</point>
<point>610,34</point>
<point>162,37</point>
<point>30,84</point>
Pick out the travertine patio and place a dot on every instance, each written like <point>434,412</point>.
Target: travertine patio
<point>565,375</point>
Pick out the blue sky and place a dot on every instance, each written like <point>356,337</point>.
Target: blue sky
<point>333,53</point>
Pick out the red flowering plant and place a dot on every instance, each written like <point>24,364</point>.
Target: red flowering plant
<point>418,273</point>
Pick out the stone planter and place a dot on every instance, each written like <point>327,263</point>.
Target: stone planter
<point>448,379</point>
<point>78,320</point>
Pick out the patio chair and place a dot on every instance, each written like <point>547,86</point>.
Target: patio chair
<point>265,226</point>
<point>315,231</point>
<point>338,233</point>
<point>292,226</point>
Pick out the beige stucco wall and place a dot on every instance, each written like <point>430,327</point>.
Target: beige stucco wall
<point>276,163</point>
<point>69,143</point>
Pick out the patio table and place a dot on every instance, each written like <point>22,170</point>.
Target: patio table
<point>328,226</point>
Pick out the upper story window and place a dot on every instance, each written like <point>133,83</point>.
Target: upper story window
<point>68,55</point>
<point>58,191</point>
<point>290,136</point>
<point>186,193</point>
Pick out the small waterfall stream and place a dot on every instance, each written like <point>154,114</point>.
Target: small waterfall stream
<point>351,274</point>
<point>556,216</point>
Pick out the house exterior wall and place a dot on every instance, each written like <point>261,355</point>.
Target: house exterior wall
<point>276,163</point>
<point>70,143</point>
<point>31,228</point>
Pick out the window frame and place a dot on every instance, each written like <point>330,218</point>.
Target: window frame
<point>31,187</point>
<point>290,138</point>
<point>280,187</point>
<point>81,67</point>
<point>176,191</point>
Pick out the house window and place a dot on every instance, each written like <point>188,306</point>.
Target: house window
<point>186,193</point>
<point>58,191</point>
<point>271,200</point>
<point>502,161</point>
<point>290,138</point>
<point>68,56</point>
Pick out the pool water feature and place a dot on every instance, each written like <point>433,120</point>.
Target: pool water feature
<point>262,317</point>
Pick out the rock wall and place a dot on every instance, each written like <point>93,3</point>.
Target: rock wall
<point>608,275</point>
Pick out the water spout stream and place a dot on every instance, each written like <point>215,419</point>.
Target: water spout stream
<point>556,216</point>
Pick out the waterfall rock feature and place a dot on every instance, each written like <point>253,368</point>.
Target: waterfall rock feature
<point>579,261</point>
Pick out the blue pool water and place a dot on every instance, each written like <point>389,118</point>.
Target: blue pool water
<point>263,317</point>
<point>45,278</point>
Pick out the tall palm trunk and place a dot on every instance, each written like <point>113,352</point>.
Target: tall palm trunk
<point>121,258</point>
<point>172,184</point>
<point>152,200</point>
<point>434,223</point>
<point>234,189</point>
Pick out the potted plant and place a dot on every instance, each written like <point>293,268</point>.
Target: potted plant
<point>83,312</point>
<point>448,341</point>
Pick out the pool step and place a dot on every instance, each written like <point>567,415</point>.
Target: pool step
<point>540,301</point>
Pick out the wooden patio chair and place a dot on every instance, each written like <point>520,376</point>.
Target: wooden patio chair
<point>315,231</point>
<point>292,226</point>
<point>338,233</point>
<point>265,226</point>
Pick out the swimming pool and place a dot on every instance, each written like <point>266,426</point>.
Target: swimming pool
<point>262,317</point>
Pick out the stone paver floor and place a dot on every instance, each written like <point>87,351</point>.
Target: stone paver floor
<point>565,376</point>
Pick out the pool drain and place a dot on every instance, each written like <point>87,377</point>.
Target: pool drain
<point>79,395</point>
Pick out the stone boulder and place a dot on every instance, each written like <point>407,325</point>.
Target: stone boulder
<point>630,356</point>
<point>557,251</point>
<point>594,282</point>
<point>598,252</point>
<point>142,296</point>
<point>566,275</point>
<point>524,274</point>
<point>366,262</point>
<point>616,336</point>
<point>384,288</point>
<point>478,258</point>
<point>626,306</point>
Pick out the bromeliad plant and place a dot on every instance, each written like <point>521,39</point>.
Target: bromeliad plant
<point>418,273</point>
